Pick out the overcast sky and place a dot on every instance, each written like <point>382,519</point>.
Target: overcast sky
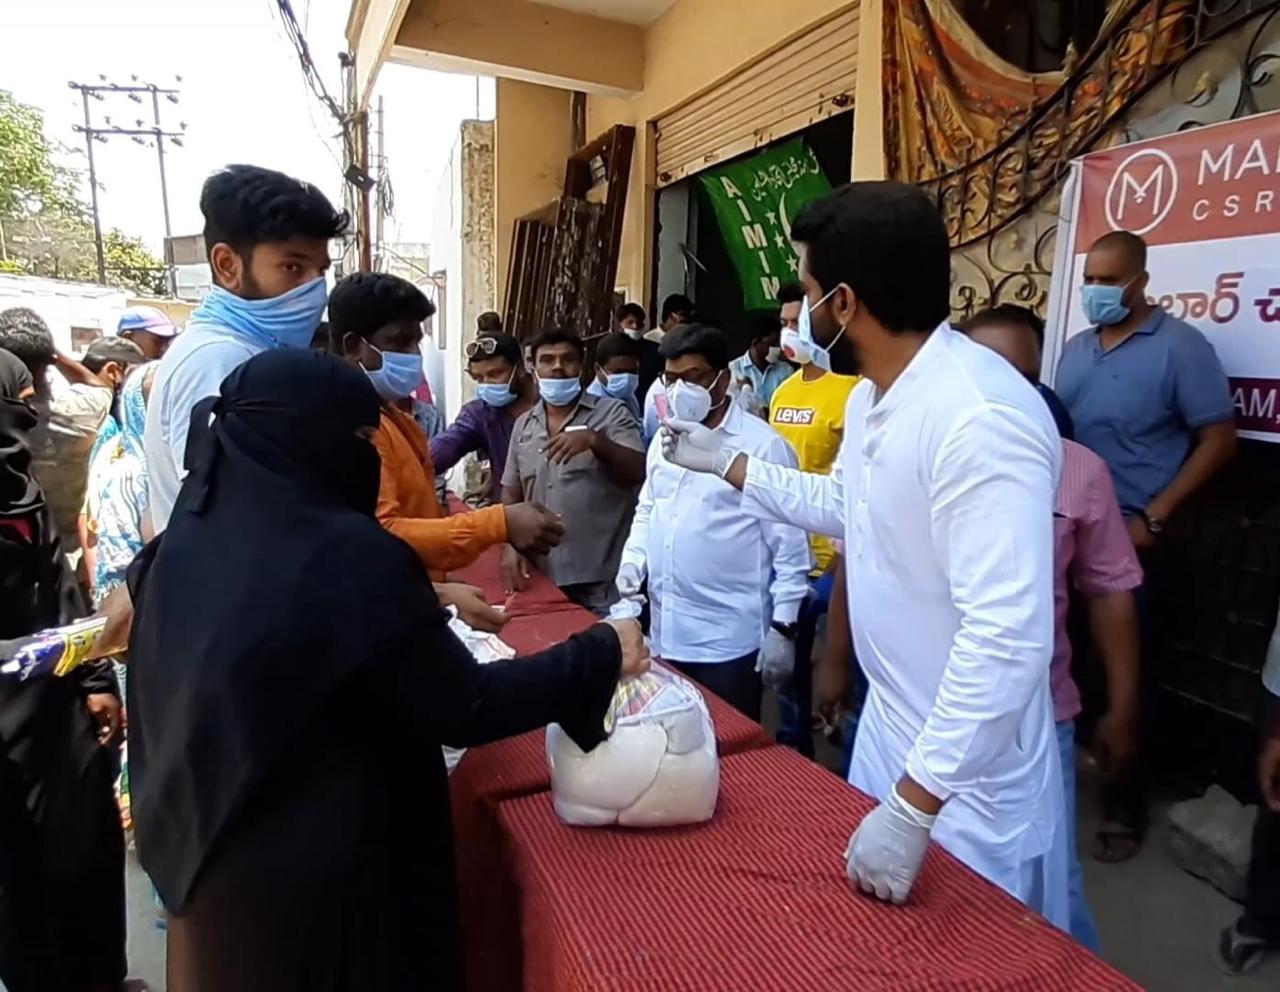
<point>242,97</point>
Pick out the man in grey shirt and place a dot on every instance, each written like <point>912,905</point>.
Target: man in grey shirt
<point>581,456</point>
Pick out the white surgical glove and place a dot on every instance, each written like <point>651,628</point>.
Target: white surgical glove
<point>629,580</point>
<point>697,448</point>
<point>776,660</point>
<point>885,853</point>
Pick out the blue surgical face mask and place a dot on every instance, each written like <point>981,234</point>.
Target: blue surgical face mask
<point>820,356</point>
<point>287,321</point>
<point>559,392</point>
<point>496,394</point>
<point>1104,305</point>
<point>620,385</point>
<point>399,376</point>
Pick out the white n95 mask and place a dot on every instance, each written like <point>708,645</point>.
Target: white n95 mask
<point>794,349</point>
<point>689,401</point>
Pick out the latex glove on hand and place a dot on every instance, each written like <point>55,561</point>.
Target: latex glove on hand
<point>629,580</point>
<point>886,851</point>
<point>776,660</point>
<point>697,448</point>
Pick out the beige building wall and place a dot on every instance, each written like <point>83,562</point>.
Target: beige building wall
<point>532,137</point>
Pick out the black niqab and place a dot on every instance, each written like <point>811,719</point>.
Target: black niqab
<point>291,679</point>
<point>252,580</point>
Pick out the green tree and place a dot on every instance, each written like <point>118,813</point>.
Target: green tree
<point>131,265</point>
<point>45,229</point>
<point>30,179</point>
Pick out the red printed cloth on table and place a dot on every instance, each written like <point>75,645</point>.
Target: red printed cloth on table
<point>757,900</point>
<point>486,573</point>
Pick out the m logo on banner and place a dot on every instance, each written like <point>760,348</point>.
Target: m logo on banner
<point>1142,191</point>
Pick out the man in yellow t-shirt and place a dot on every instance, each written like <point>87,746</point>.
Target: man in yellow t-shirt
<point>808,410</point>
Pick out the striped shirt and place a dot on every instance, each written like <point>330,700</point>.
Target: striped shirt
<point>1092,552</point>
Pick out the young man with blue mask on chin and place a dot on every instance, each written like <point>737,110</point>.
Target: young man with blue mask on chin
<point>582,457</point>
<point>268,237</point>
<point>617,371</point>
<point>376,323</point>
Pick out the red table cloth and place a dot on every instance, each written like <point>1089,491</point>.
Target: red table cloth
<point>757,900</point>
<point>509,769</point>
<point>486,573</point>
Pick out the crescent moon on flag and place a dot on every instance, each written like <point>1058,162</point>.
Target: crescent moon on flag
<point>782,216</point>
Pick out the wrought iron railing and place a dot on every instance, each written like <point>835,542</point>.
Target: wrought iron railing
<point>1148,43</point>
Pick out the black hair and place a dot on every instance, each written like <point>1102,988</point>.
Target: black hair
<point>677,303</point>
<point>1132,247</point>
<point>24,334</point>
<point>320,339</point>
<point>488,323</point>
<point>558,335</point>
<point>1007,313</point>
<point>764,326</point>
<point>114,349</point>
<point>616,346</point>
<point>790,292</point>
<point>886,241</point>
<point>697,339</point>
<point>631,310</point>
<point>246,205</point>
<point>365,302</point>
<point>508,349</point>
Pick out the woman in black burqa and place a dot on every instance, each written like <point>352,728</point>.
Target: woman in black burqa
<point>62,918</point>
<point>292,678</point>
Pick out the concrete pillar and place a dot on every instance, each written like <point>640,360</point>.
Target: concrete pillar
<point>868,100</point>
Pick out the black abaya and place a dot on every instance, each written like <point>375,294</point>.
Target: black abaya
<point>292,678</point>
<point>61,846</point>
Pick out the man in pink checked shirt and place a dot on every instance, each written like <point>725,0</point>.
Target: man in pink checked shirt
<point>1093,553</point>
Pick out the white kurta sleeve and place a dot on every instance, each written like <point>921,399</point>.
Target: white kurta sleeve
<point>991,489</point>
<point>791,559</point>
<point>810,502</point>
<point>636,550</point>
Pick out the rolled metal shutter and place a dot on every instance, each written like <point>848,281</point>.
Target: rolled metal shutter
<point>804,80</point>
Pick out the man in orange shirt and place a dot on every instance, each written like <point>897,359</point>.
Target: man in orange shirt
<point>375,322</point>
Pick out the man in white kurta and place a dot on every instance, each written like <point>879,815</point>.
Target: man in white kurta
<point>943,494</point>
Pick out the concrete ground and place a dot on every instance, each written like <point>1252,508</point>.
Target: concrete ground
<point>1158,923</point>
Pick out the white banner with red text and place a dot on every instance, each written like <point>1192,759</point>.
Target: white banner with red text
<point>1207,202</point>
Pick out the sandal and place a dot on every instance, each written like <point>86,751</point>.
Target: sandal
<point>1116,842</point>
<point>1238,953</point>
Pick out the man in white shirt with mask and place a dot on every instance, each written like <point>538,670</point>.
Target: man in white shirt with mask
<point>943,494</point>
<point>268,236</point>
<point>725,586</point>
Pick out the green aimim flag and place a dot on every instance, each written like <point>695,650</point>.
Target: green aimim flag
<point>754,201</point>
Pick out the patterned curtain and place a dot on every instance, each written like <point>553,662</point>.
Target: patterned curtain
<point>949,100</point>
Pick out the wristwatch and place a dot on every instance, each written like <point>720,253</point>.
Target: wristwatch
<point>787,630</point>
<point>1154,524</point>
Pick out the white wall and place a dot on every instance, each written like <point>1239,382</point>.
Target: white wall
<point>444,366</point>
<point>64,305</point>
<point>462,247</point>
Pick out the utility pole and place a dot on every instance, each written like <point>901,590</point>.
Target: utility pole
<point>140,135</point>
<point>89,138</point>
<point>382,178</point>
<point>362,140</point>
<point>164,190</point>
